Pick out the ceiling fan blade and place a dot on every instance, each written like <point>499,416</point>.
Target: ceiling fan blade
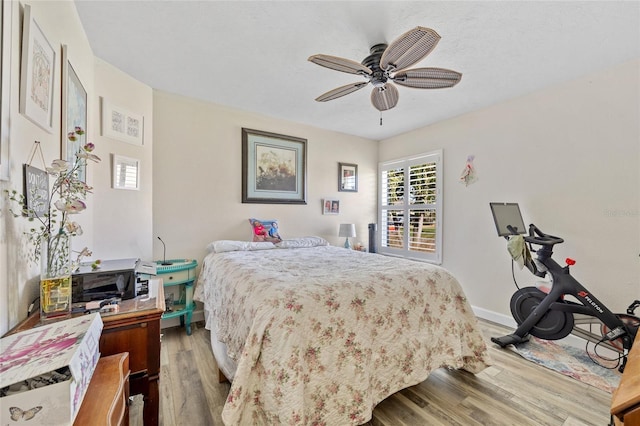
<point>427,78</point>
<point>384,97</point>
<point>341,91</point>
<point>340,64</point>
<point>409,48</point>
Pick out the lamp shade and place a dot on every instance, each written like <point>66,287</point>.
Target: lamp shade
<point>347,230</point>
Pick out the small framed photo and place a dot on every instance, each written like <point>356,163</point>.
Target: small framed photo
<point>126,173</point>
<point>120,124</point>
<point>330,206</point>
<point>37,71</point>
<point>347,177</point>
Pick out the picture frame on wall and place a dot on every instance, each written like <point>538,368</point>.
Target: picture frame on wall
<point>347,177</point>
<point>5,85</point>
<point>74,114</point>
<point>330,206</point>
<point>36,191</point>
<point>38,70</point>
<point>121,124</point>
<point>274,168</point>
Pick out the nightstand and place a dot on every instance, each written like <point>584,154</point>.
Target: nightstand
<point>179,279</point>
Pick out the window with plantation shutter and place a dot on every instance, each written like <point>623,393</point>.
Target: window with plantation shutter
<point>126,174</point>
<point>410,207</point>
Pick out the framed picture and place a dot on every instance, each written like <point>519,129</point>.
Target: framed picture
<point>118,123</point>
<point>36,191</point>
<point>347,177</point>
<point>274,168</point>
<point>126,172</point>
<point>74,113</point>
<point>330,206</point>
<point>36,80</point>
<point>5,79</point>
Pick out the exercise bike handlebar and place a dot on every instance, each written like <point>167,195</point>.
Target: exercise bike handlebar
<point>536,236</point>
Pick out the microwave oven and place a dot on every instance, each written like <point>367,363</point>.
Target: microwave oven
<point>115,278</point>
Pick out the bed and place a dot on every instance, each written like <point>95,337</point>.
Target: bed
<point>310,333</point>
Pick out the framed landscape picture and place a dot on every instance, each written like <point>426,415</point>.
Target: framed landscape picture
<point>274,168</point>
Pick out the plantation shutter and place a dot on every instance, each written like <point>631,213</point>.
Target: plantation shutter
<point>126,173</point>
<point>410,207</point>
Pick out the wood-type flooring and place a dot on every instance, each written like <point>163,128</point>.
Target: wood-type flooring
<point>513,392</point>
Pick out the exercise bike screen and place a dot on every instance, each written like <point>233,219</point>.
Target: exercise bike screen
<point>507,215</point>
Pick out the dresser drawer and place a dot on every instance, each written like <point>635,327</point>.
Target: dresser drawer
<point>177,277</point>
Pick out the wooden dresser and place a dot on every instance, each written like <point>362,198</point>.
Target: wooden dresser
<point>134,328</point>
<point>625,404</point>
<point>107,399</point>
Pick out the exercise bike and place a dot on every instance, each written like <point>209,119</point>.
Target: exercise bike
<point>548,314</point>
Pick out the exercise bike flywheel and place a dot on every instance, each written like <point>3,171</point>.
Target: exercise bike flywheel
<point>553,325</point>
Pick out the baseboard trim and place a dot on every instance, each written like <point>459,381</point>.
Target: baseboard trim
<point>496,317</point>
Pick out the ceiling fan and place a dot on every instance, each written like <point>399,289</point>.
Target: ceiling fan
<point>386,64</point>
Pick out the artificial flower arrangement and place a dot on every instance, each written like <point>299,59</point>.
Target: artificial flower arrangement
<point>55,226</point>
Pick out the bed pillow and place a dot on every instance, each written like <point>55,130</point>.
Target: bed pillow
<point>221,246</point>
<point>264,230</point>
<point>303,242</point>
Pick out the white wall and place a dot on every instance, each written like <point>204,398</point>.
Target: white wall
<point>117,223</point>
<point>570,156</point>
<point>123,223</point>
<point>61,25</point>
<point>197,178</point>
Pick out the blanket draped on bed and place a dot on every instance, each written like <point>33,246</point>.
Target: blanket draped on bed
<point>321,335</point>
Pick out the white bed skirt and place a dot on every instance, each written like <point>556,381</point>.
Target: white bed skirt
<point>225,364</point>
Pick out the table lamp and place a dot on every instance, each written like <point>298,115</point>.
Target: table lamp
<point>347,230</point>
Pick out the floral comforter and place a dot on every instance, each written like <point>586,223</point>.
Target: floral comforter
<point>321,335</point>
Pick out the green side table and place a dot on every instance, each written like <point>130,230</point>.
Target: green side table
<point>182,273</point>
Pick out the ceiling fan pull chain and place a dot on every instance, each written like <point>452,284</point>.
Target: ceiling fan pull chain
<point>381,118</point>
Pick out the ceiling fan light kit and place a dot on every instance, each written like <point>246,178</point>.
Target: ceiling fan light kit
<point>386,64</point>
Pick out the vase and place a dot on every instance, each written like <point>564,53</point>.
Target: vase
<point>55,277</point>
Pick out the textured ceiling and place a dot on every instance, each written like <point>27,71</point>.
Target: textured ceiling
<point>252,56</point>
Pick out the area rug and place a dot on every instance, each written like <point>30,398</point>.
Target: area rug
<point>570,361</point>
